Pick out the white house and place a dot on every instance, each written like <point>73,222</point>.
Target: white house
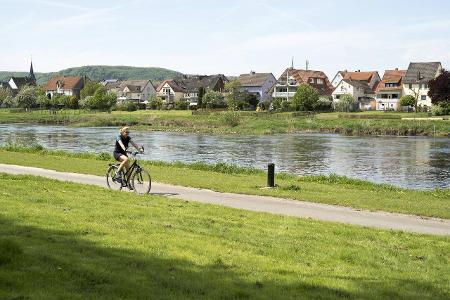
<point>416,81</point>
<point>288,83</point>
<point>259,84</point>
<point>359,90</point>
<point>132,90</point>
<point>65,85</point>
<point>370,77</point>
<point>389,90</point>
<point>187,87</point>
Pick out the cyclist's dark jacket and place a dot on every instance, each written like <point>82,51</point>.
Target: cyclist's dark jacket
<point>125,141</point>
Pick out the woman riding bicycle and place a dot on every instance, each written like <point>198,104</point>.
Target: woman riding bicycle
<point>120,150</point>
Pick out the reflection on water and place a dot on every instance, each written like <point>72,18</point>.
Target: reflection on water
<point>414,162</point>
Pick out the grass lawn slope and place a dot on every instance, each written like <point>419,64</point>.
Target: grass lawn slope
<point>331,189</point>
<point>69,241</point>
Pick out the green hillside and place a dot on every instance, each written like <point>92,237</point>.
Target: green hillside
<point>101,72</point>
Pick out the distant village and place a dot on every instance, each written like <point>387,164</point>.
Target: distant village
<point>369,90</point>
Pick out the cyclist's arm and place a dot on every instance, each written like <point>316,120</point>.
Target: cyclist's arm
<point>122,145</point>
<point>137,146</point>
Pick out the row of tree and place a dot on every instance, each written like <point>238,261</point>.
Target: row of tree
<point>93,96</point>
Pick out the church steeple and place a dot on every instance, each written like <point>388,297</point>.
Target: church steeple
<point>32,72</point>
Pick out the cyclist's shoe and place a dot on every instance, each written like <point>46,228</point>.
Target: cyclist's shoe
<point>118,177</point>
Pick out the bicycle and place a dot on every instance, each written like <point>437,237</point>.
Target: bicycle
<point>136,178</point>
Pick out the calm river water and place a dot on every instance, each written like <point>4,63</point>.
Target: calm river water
<point>413,162</point>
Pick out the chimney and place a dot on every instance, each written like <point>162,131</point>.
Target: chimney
<point>418,76</point>
<point>396,69</point>
<point>252,73</point>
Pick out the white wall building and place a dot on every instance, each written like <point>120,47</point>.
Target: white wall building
<point>416,81</point>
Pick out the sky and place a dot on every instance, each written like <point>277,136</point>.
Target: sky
<point>228,37</point>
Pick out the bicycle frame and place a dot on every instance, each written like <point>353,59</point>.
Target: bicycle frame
<point>133,166</point>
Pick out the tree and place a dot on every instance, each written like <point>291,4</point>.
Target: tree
<point>213,99</point>
<point>306,98</point>
<point>102,99</point>
<point>233,98</point>
<point>439,88</point>
<point>89,89</point>
<point>26,98</point>
<point>408,100</point>
<point>200,95</point>
<point>155,102</point>
<point>4,94</point>
<point>346,103</point>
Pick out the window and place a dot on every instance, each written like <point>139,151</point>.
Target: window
<point>319,81</point>
<point>394,96</point>
<point>423,97</point>
<point>311,80</point>
<point>410,86</point>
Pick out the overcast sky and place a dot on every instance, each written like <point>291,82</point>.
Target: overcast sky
<point>230,37</point>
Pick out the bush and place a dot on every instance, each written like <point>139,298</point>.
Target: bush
<point>286,105</point>
<point>26,98</point>
<point>102,99</point>
<point>4,94</point>
<point>408,100</point>
<point>306,98</point>
<point>231,119</point>
<point>264,105</point>
<point>276,103</point>
<point>346,103</point>
<point>126,106</point>
<point>441,109</point>
<point>155,102</point>
<point>213,99</point>
<point>181,105</point>
<point>324,104</point>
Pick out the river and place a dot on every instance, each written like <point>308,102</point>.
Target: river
<point>412,162</point>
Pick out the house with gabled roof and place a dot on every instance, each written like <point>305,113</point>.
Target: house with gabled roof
<point>415,82</point>
<point>370,77</point>
<point>258,84</point>
<point>187,87</point>
<point>15,83</point>
<point>65,85</point>
<point>360,90</point>
<point>390,90</point>
<point>288,83</point>
<point>131,90</point>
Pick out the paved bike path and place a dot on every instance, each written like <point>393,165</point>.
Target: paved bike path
<point>273,205</point>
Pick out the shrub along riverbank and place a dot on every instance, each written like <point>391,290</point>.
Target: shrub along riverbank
<point>331,189</point>
<point>371,123</point>
<point>62,240</point>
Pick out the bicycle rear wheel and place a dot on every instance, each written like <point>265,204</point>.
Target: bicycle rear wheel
<point>113,182</point>
<point>141,182</point>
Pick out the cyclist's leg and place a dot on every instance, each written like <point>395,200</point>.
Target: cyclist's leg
<point>124,163</point>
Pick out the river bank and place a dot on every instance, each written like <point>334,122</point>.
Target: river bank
<point>241,123</point>
<point>336,190</point>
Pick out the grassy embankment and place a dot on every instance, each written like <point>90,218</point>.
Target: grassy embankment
<point>332,189</point>
<point>69,241</point>
<point>369,123</point>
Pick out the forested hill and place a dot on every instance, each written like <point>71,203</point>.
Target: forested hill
<point>98,73</point>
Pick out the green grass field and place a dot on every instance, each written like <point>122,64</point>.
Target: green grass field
<point>224,178</point>
<point>69,241</point>
<point>368,123</point>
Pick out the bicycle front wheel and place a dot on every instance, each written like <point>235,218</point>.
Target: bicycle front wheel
<point>141,181</point>
<point>113,182</point>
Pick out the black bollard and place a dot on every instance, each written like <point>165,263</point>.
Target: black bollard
<point>271,175</point>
